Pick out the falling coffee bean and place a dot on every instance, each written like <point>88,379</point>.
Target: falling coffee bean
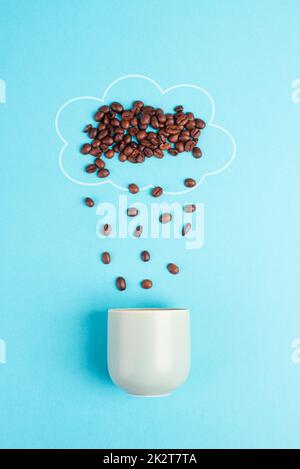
<point>132,212</point>
<point>189,208</point>
<point>89,202</point>
<point>121,283</point>
<point>146,284</point>
<point>138,231</point>
<point>186,228</point>
<point>157,191</point>
<point>145,256</point>
<point>189,182</point>
<point>173,268</point>
<point>106,229</point>
<point>105,258</point>
<point>133,188</point>
<point>165,218</point>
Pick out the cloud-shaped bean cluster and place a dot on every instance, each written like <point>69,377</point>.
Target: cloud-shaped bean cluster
<point>216,142</point>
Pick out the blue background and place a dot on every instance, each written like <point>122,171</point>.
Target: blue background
<point>242,287</point>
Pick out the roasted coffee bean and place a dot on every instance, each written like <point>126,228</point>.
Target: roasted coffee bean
<point>115,123</point>
<point>127,139</point>
<point>178,108</point>
<point>173,268</point>
<point>98,116</point>
<point>147,109</point>
<point>146,284</point>
<point>125,124</point>
<point>164,146</point>
<point>105,256</point>
<point>190,125</point>
<point>197,153</point>
<point>87,128</point>
<point>186,228</point>
<point>145,119</point>
<point>127,115</point>
<point>108,140</point>
<point>143,126</point>
<point>99,163</point>
<point>86,148</point>
<point>95,152</point>
<point>102,134</point>
<point>122,157</point>
<point>118,138</point>
<point>133,188</point>
<point>117,107</point>
<point>165,218</point>
<point>173,151</point>
<point>91,168</point>
<point>132,212</point>
<point>189,182</point>
<point>154,122</point>
<point>179,147</point>
<point>157,191</point>
<point>189,208</point>
<point>138,104</point>
<point>96,143</point>
<point>103,173</point>
<point>140,158</point>
<point>106,229</point>
<point>121,283</point>
<point>104,109</point>
<point>195,133</point>
<point>133,131</point>
<point>93,132</point>
<point>134,122</point>
<point>138,231</point>
<point>182,120</point>
<point>109,154</point>
<point>173,138</point>
<point>189,146</point>
<point>173,129</point>
<point>89,202</point>
<point>148,152</point>
<point>158,153</point>
<point>141,135</point>
<point>183,137</point>
<point>161,117</point>
<point>145,256</point>
<point>200,124</point>
<point>190,116</point>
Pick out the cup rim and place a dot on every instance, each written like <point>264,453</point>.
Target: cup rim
<point>141,310</point>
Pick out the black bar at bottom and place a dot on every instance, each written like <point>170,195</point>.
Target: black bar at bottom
<point>135,458</point>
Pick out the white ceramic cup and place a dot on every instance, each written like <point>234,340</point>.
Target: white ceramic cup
<point>148,349</point>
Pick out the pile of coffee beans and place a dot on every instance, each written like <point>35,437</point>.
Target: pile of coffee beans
<point>138,133</point>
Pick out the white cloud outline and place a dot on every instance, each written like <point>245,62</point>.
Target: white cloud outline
<point>163,92</point>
